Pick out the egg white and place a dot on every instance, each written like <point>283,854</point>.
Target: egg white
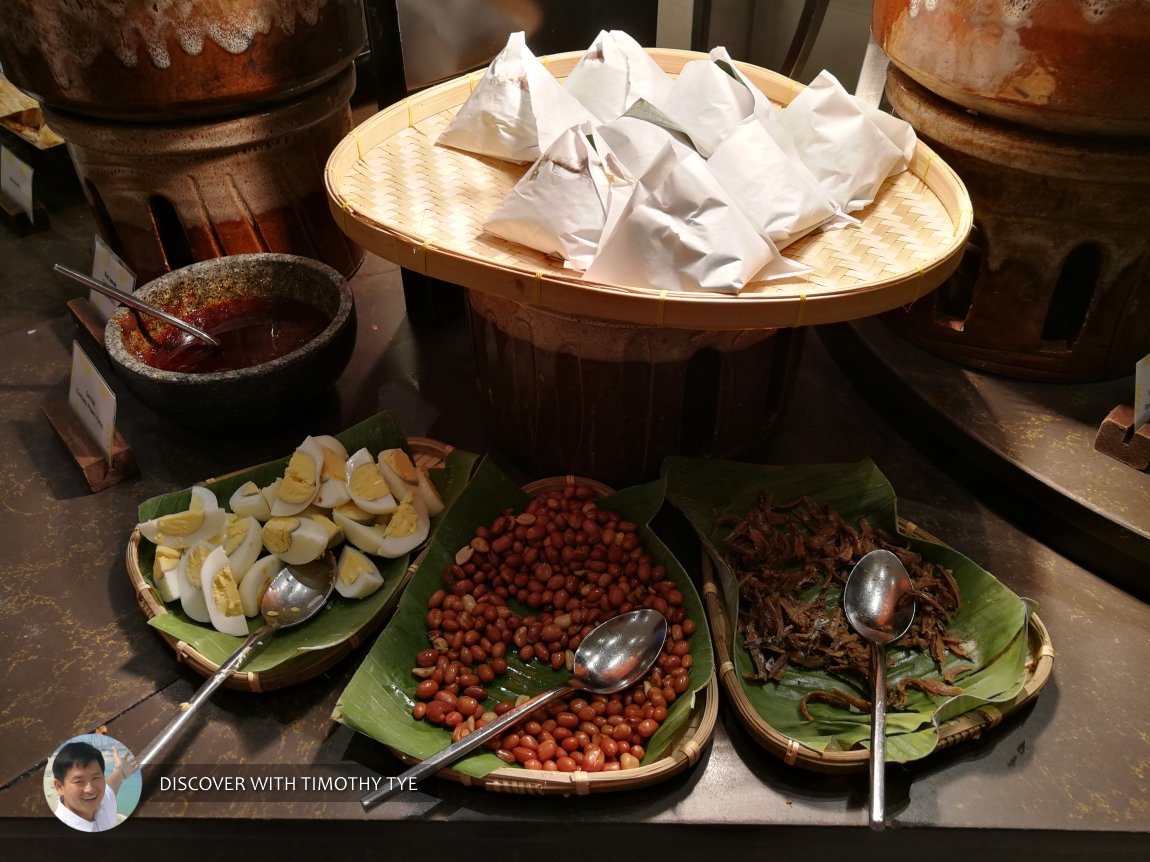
<point>307,541</point>
<point>172,529</point>
<point>309,459</point>
<point>256,582</point>
<point>247,550</point>
<point>214,569</point>
<point>398,539</point>
<point>366,537</point>
<point>362,461</point>
<point>191,591</point>
<point>249,500</point>
<point>357,575</point>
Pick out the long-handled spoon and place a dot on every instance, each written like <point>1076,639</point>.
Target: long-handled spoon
<point>138,304</point>
<point>875,604</point>
<point>615,655</point>
<point>293,596</point>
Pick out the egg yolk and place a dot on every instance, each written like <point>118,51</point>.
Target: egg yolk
<point>277,534</point>
<point>353,566</point>
<point>334,533</point>
<point>354,513</point>
<point>225,594</point>
<point>166,560</point>
<point>404,521</point>
<point>196,557</point>
<point>401,465</point>
<point>333,466</point>
<point>298,485</point>
<point>182,523</point>
<point>237,532</point>
<point>367,483</point>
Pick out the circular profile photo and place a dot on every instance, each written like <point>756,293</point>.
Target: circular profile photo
<point>92,783</point>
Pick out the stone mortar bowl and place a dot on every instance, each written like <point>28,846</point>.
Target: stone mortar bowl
<point>245,396</point>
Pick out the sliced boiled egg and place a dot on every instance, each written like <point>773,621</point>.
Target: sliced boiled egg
<point>295,540</point>
<point>368,488</point>
<point>366,537</point>
<point>202,520</point>
<point>300,481</point>
<point>189,573</point>
<point>353,512</point>
<point>249,500</point>
<point>256,582</point>
<point>397,466</point>
<point>334,530</point>
<point>222,595</point>
<point>408,527</point>
<point>357,577</point>
<point>243,543</point>
<point>164,574</point>
<point>333,474</point>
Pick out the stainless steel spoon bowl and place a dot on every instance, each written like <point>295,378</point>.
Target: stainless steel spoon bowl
<point>615,655</point>
<point>876,605</point>
<point>293,597</point>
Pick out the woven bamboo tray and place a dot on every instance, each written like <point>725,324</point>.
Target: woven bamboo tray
<point>683,752</point>
<point>963,728</point>
<point>421,206</point>
<point>311,663</point>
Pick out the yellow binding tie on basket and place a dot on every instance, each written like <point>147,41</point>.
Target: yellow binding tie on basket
<point>964,216</point>
<point>802,309</point>
<point>537,288</point>
<point>410,114</point>
<point>421,264</point>
<point>471,81</point>
<point>709,589</point>
<point>358,145</point>
<point>660,307</point>
<point>926,167</point>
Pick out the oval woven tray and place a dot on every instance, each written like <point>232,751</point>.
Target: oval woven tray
<point>957,730</point>
<point>683,752</point>
<point>421,206</point>
<point>427,453</point>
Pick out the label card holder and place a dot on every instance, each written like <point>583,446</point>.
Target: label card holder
<point>1142,392</point>
<point>16,182</point>
<point>109,269</point>
<point>86,423</point>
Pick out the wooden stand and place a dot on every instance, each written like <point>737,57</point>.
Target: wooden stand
<point>1118,438</point>
<point>88,320</point>
<point>17,221</point>
<point>91,461</point>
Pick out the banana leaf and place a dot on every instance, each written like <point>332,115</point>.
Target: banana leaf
<point>991,622</point>
<point>341,619</point>
<point>378,700</point>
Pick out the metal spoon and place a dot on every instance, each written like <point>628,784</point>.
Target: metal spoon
<point>293,597</point>
<point>138,304</point>
<point>875,604</point>
<point>615,655</point>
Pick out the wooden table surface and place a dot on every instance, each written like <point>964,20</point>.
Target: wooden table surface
<point>1066,777</point>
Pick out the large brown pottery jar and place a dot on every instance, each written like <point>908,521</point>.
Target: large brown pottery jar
<point>198,129</point>
<point>573,394</point>
<point>1043,109</point>
<point>162,60</point>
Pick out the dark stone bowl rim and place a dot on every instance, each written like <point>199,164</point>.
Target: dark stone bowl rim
<point>121,357</point>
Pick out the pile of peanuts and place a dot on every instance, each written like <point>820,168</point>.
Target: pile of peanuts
<point>573,565</point>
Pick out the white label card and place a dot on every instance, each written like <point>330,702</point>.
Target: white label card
<point>1142,392</point>
<point>108,268</point>
<point>93,401</point>
<point>16,180</point>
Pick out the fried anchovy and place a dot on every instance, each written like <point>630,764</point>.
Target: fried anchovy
<point>788,556</point>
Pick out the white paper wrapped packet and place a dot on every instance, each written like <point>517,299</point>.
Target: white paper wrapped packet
<point>763,107</point>
<point>637,142</point>
<point>680,231</point>
<point>707,103</point>
<point>775,190</point>
<point>846,150</point>
<point>516,110</point>
<point>561,204</point>
<point>614,74</point>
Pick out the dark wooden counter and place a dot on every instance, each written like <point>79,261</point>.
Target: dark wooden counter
<point>1067,777</point>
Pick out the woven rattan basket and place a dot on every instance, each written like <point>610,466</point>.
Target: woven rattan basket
<point>423,207</point>
<point>963,728</point>
<point>427,453</point>
<point>683,752</point>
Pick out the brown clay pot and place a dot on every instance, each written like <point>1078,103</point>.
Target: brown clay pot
<point>159,59</point>
<point>168,194</point>
<point>1078,66</point>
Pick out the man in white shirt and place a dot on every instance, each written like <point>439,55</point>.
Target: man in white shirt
<point>87,798</point>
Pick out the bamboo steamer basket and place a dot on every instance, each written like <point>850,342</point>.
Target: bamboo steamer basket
<point>426,453</point>
<point>392,191</point>
<point>964,728</point>
<point>683,752</point>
